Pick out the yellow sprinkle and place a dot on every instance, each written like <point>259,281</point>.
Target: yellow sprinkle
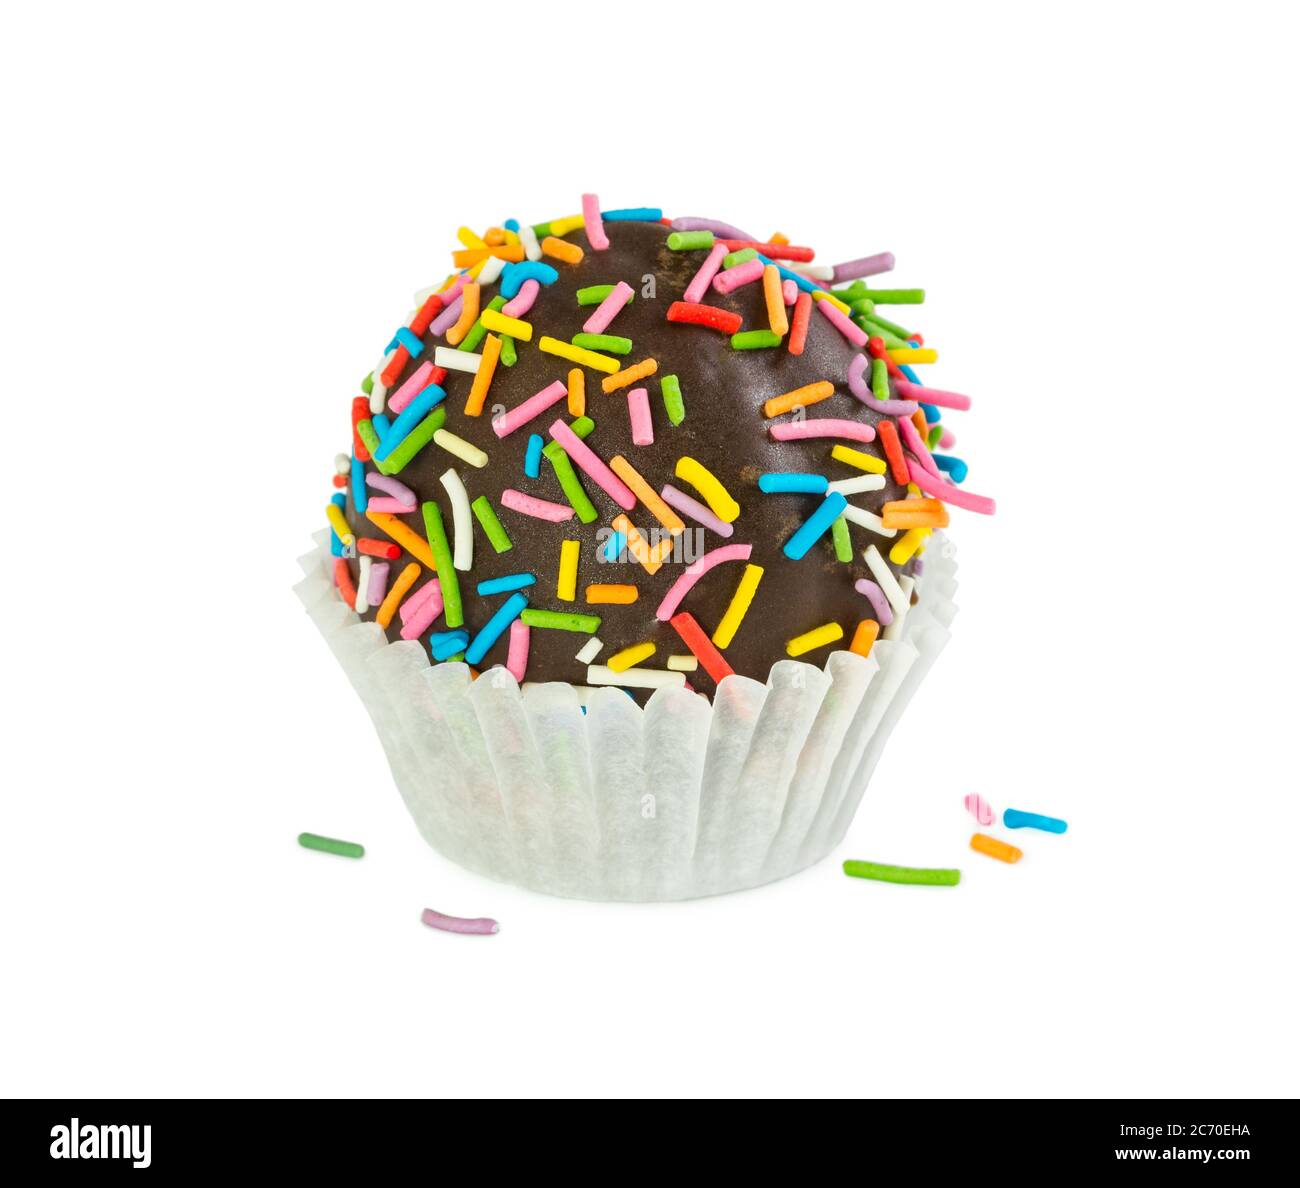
<point>622,379</point>
<point>637,546</point>
<point>477,268</point>
<point>494,319</point>
<point>339,522</point>
<point>864,637</point>
<point>687,663</point>
<point>487,366</point>
<point>799,398</point>
<point>907,544</point>
<point>570,253</point>
<point>616,595</point>
<point>913,491</point>
<point>463,450</point>
<point>622,661</point>
<point>565,225</point>
<point>740,601</point>
<point>775,300</point>
<point>396,592</point>
<point>648,496</point>
<point>577,392</point>
<point>468,314</point>
<point>566,589</point>
<point>816,638</point>
<point>512,239</point>
<point>469,239</point>
<point>566,350</point>
<point>416,545</point>
<point>715,494</point>
<point>822,295</point>
<point>914,355</point>
<point>842,453</point>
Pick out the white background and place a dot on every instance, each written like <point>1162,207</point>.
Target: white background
<point>213,219</point>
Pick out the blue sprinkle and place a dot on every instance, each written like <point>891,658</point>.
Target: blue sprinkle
<point>383,426</point>
<point>932,414</point>
<point>514,275</point>
<point>954,466</point>
<point>410,341</point>
<point>793,484</point>
<point>501,585</point>
<point>802,281</point>
<point>533,456</point>
<point>336,546</point>
<point>444,644</point>
<point>495,627</point>
<point>614,546</point>
<point>815,526</point>
<point>512,225</point>
<point>408,418</point>
<point>633,214</point>
<point>360,500</point>
<point>1015,819</point>
<point>911,375</point>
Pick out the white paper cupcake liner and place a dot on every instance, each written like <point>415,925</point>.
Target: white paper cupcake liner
<point>676,800</point>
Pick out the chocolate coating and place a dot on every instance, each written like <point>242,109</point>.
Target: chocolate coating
<point>725,430</point>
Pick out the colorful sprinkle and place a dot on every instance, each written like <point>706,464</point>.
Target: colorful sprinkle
<point>565,350</point>
<point>539,509</point>
<point>706,483</point>
<point>1003,851</point>
<point>331,845</point>
<point>701,647</point>
<point>910,875</point>
<point>614,595</point>
<point>1015,819</point>
<point>818,637</point>
<point>815,526</point>
<point>481,926</point>
<point>495,627</point>
<point>622,660</point>
<point>979,808</point>
<point>694,572</point>
<point>561,621</point>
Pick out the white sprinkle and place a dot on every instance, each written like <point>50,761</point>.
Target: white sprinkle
<point>590,650</point>
<point>532,249</point>
<point>454,360</point>
<point>363,585</point>
<point>342,464</point>
<point>463,449</point>
<point>490,273</point>
<point>885,579</point>
<point>683,663</point>
<point>855,486</point>
<point>813,271</point>
<point>462,556</point>
<point>895,629</point>
<point>866,519</point>
<point>635,678</point>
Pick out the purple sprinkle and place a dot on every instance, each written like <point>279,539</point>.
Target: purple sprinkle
<point>448,318</point>
<point>918,567</point>
<point>858,386</point>
<point>726,230</point>
<point>866,266</point>
<point>378,582</point>
<point>390,486</point>
<point>479,927</point>
<point>876,596</point>
<point>693,508</point>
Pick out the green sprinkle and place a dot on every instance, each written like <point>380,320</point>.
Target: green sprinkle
<point>894,296</point>
<point>453,659</point>
<point>581,427</point>
<point>862,306</point>
<point>902,874</point>
<point>478,331</point>
<point>880,379</point>
<point>753,340</point>
<point>731,259</point>
<point>840,539</point>
<point>414,442</point>
<point>671,389</point>
<point>854,292</point>
<point>933,438</point>
<point>370,439</point>
<point>877,329</point>
<point>561,620</point>
<point>886,324</point>
<point>603,342</point>
<point>368,384</point>
<point>487,518</point>
<point>690,241</point>
<point>330,845</point>
<point>508,354</point>
<point>571,485</point>
<point>437,534</point>
<point>595,294</point>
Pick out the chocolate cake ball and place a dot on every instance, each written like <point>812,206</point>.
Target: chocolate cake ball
<point>554,448</point>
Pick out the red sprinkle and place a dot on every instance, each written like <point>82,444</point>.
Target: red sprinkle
<point>877,349</point>
<point>701,646</point>
<point>887,432</point>
<point>705,315</point>
<point>378,548</point>
<point>799,324</point>
<point>431,308</point>
<point>401,357</point>
<point>773,251</point>
<point>360,412</point>
<point>341,480</point>
<point>343,580</point>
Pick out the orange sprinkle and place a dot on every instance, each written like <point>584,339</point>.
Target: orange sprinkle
<point>808,394</point>
<point>561,249</point>
<point>799,327</point>
<point>468,314</point>
<point>494,236</point>
<point>887,432</point>
<point>777,237</point>
<point>918,419</point>
<point>478,390</point>
<point>647,494</point>
<point>914,513</point>
<point>1002,851</point>
<point>471,256</point>
<point>396,592</point>
<point>343,580</point>
<point>405,536</point>
<point>636,545</point>
<point>615,595</point>
<point>577,392</point>
<point>621,379</point>
<point>864,637</point>
<point>776,316</point>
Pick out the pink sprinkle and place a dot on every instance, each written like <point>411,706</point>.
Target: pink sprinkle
<point>825,427</point>
<point>935,396</point>
<point>448,318</point>
<point>539,509</point>
<point>696,570</point>
<point>378,582</point>
<point>479,927</point>
<point>729,280</point>
<point>912,439</point>
<point>408,391</point>
<point>608,309</point>
<point>517,660</point>
<point>789,292</point>
<point>534,406</point>
<point>979,808</point>
<point>856,335</point>
<point>522,302</point>
<point>695,509</point>
<point>638,407</point>
<point>708,270</point>
<point>393,507</point>
<point>865,266</point>
<point>600,474</point>
<point>876,596</point>
<point>957,496</point>
<point>858,386</point>
<point>418,621</point>
<point>416,601</point>
<point>591,221</point>
<point>947,439</point>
